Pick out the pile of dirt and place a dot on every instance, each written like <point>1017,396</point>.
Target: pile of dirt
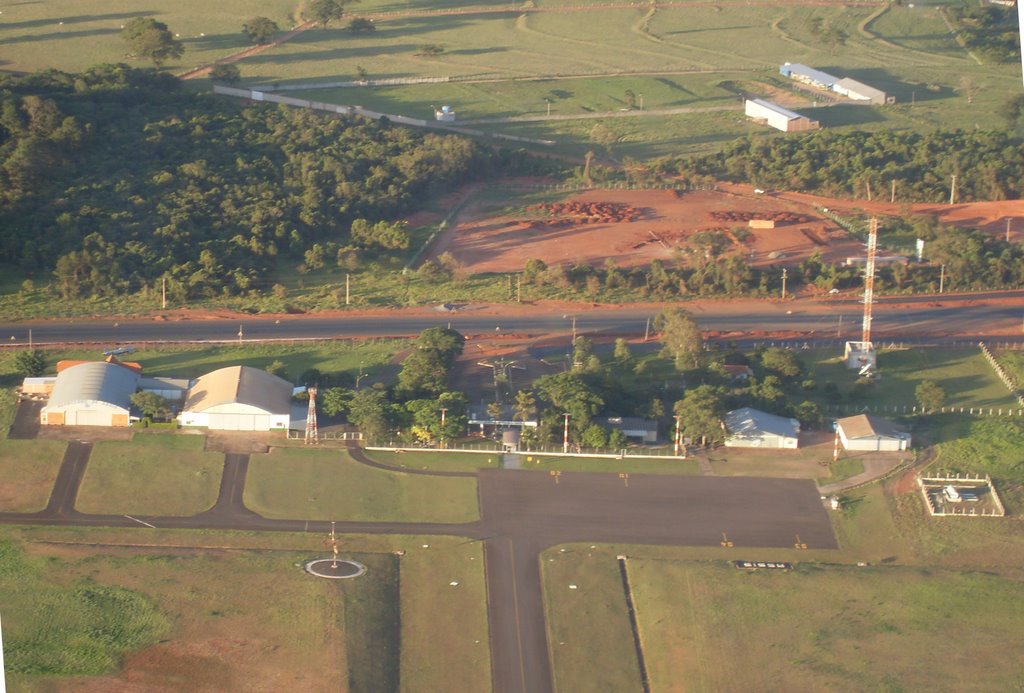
<point>576,212</point>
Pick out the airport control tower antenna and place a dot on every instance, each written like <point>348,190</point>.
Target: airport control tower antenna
<point>869,280</point>
<point>312,434</point>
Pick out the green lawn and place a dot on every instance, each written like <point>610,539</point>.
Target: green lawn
<point>28,469</point>
<point>154,474</point>
<point>193,361</point>
<point>589,634</point>
<point>402,619</point>
<point>439,461</point>
<point>74,34</point>
<point>329,485</point>
<point>964,374</point>
<point>842,628</point>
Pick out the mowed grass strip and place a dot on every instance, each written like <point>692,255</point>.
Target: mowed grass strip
<point>589,633</point>
<point>610,465</point>
<point>712,627</point>
<point>28,469</point>
<point>445,636</point>
<point>153,474</point>
<point>330,485</point>
<point>438,461</point>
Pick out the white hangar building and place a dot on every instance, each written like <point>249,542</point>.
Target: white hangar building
<point>778,117</point>
<point>752,428</point>
<point>94,393</point>
<point>869,433</point>
<point>238,398</point>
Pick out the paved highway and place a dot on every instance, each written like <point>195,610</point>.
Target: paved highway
<point>987,314</point>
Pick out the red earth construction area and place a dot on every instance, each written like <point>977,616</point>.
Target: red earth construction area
<point>634,227</point>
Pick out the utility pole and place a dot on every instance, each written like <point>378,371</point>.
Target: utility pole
<point>574,330</point>
<point>892,197</point>
<point>519,288</point>
<point>839,328</point>
<point>1008,220</point>
<point>647,329</point>
<point>565,437</point>
<point>241,333</point>
<point>678,436</point>
<point>347,277</point>
<point>867,184</point>
<point>444,410</point>
<point>952,191</point>
<point>784,275</point>
<point>163,293</point>
<point>942,278</point>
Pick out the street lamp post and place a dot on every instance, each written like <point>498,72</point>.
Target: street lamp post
<point>444,410</point>
<point>679,436</point>
<point>565,438</point>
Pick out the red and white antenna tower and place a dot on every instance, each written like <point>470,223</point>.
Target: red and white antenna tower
<point>869,280</point>
<point>312,435</point>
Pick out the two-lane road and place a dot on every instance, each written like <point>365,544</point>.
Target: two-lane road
<point>986,314</point>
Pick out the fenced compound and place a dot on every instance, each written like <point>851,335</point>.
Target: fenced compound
<point>973,495</point>
<point>546,452</point>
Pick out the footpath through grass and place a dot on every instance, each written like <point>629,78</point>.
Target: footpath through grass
<point>28,469</point>
<point>294,483</point>
<point>154,474</point>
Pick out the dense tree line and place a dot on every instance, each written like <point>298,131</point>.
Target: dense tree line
<point>989,30</point>
<point>989,164</point>
<point>116,177</point>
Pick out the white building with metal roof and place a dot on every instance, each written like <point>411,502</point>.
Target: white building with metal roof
<point>778,117</point>
<point>752,428</point>
<point>238,398</point>
<point>869,433</point>
<point>95,393</point>
<point>858,91</point>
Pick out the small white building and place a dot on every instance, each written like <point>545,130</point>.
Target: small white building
<point>871,434</point>
<point>752,428</point>
<point>778,117</point>
<point>238,398</point>
<point>808,75</point>
<point>94,393</point>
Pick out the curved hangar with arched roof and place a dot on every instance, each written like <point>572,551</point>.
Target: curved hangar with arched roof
<point>94,393</point>
<point>238,398</point>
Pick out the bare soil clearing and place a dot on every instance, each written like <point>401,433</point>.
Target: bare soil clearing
<point>635,227</point>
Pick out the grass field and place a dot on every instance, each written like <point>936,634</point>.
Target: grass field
<point>154,474</point>
<point>513,63</point>
<point>964,374</point>
<point>603,464</point>
<point>193,361</point>
<point>712,627</point>
<point>438,461</point>
<point>228,614</point>
<point>321,485</point>
<point>28,469</point>
<point>589,634</point>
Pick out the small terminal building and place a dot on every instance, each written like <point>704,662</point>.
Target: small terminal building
<point>776,116</point>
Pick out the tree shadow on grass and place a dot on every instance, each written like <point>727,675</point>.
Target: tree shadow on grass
<point>77,19</point>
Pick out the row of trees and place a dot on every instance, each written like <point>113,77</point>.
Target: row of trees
<point>989,164</point>
<point>117,177</point>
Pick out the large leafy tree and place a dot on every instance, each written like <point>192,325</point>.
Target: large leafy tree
<point>324,11</point>
<point>151,404</point>
<point>260,30</point>
<point>150,39</point>
<point>681,337</point>
<point>930,395</point>
<point>425,370</point>
<point>30,363</point>
<point>700,413</point>
<point>569,394</point>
